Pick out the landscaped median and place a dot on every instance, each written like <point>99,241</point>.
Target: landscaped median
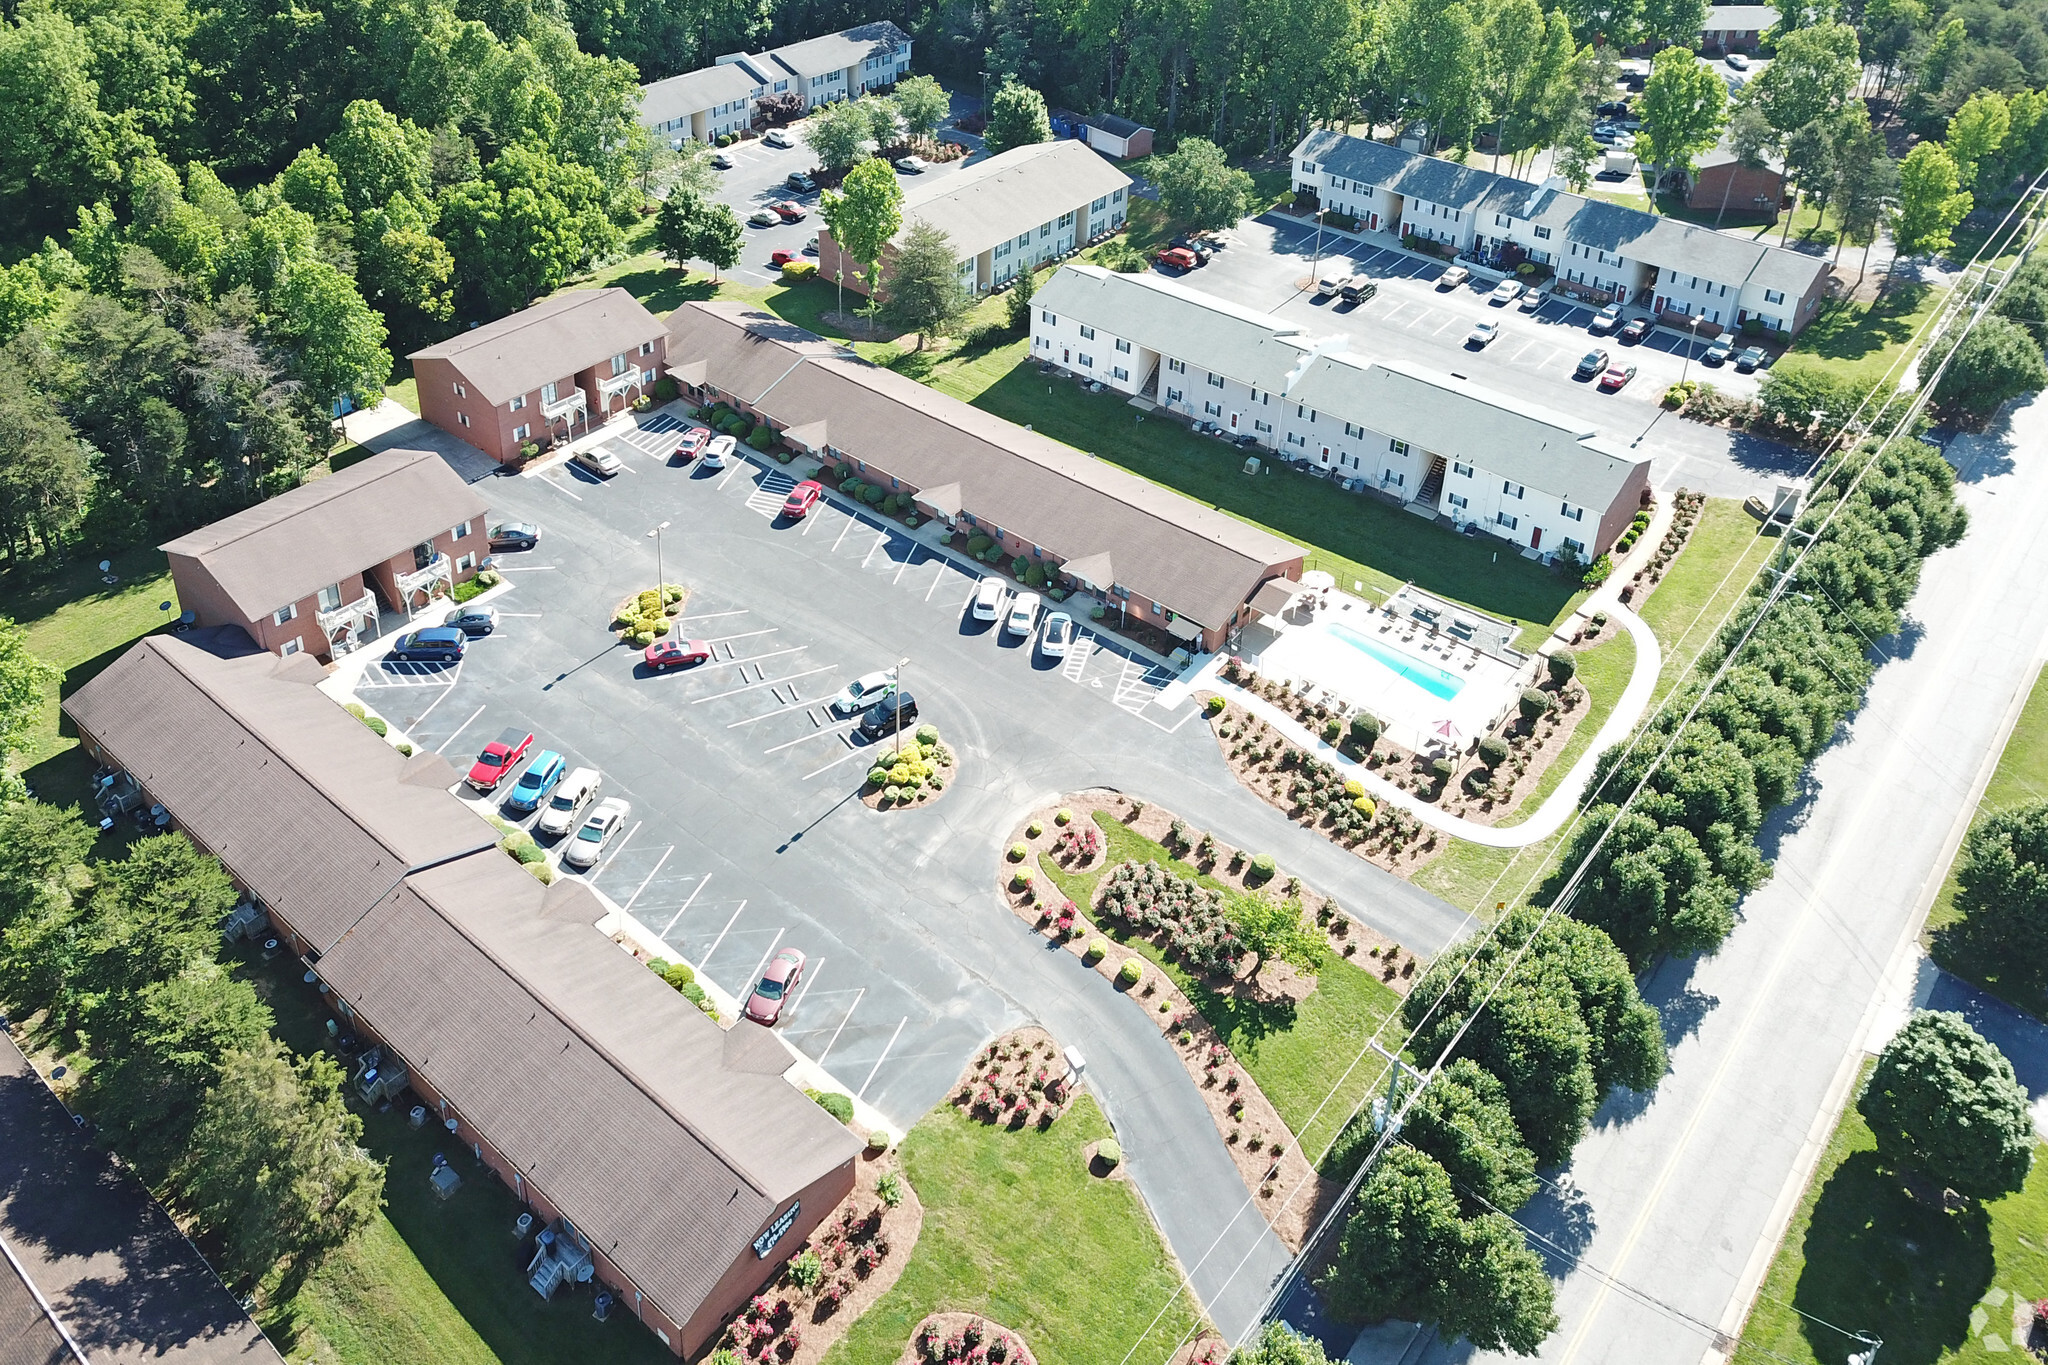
<point>1268,1038</point>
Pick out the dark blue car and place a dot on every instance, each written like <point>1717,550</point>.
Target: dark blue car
<point>437,644</point>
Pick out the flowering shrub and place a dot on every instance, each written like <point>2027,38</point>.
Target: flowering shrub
<point>1079,843</point>
<point>1187,918</point>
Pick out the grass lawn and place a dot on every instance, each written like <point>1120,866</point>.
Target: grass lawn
<point>1017,1229</point>
<point>1296,1053</point>
<point>1709,576</point>
<point>431,1280</point>
<point>1865,1255</point>
<point>2021,777</point>
<point>77,624</point>
<point>1860,341</point>
<point>406,393</point>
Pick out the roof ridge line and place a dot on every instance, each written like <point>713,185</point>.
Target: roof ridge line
<point>311,504</point>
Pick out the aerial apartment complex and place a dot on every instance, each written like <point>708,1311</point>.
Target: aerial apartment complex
<point>706,104</point>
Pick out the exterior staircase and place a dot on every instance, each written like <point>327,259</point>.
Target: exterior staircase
<point>1424,502</point>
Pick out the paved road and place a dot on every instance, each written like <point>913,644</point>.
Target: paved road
<point>1674,1194</point>
<point>748,837</point>
<point>1533,360</point>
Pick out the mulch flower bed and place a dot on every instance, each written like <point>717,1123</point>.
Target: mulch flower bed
<point>1017,1081</point>
<point>1259,1141</point>
<point>851,1260</point>
<point>916,776</point>
<point>1685,515</point>
<point>964,1339</point>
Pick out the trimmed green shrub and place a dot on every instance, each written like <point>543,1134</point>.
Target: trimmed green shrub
<point>877,776</point>
<point>1017,852</point>
<point>405,748</point>
<point>1034,829</point>
<point>807,1272</point>
<point>1493,751</point>
<point>1442,769</point>
<point>678,974</point>
<point>1354,788</point>
<point>1063,816</point>
<point>1132,972</point>
<point>665,389</point>
<point>760,438</point>
<point>1018,564</point>
<point>1097,612</point>
<point>872,494</point>
<point>1216,705</point>
<point>927,734</point>
<point>878,1142</point>
<point>890,1187</point>
<point>978,543</point>
<point>1097,950</point>
<point>1365,806</point>
<point>1262,868</point>
<point>832,1102</point>
<point>1365,730</point>
<point>1110,1153</point>
<point>1563,666</point>
<point>1534,703</point>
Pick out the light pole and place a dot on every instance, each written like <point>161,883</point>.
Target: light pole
<point>896,702</point>
<point>1692,337</point>
<point>660,586</point>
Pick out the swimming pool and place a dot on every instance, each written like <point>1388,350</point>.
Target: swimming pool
<point>1436,681</point>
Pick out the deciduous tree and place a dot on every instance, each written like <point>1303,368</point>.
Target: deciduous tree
<point>1930,205</point>
<point>1976,135</point>
<point>1996,360</point>
<point>1016,118</point>
<point>865,215</point>
<point>923,105</point>
<point>838,134</point>
<point>1199,187</point>
<point>1274,931</point>
<point>924,293</point>
<point>2002,886</point>
<point>1683,108</point>
<point>1463,1120</point>
<point>1944,1102</point>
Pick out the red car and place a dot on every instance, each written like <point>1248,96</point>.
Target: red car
<point>788,212</point>
<point>778,259</point>
<point>663,655</point>
<point>1179,257</point>
<point>1634,330</point>
<point>691,443</point>
<point>764,1006</point>
<point>802,498</point>
<point>1616,377</point>
<point>499,758</point>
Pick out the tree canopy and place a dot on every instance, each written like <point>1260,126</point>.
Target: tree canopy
<point>1683,108</point>
<point>1016,118</point>
<point>923,293</point>
<point>1945,1103</point>
<point>1200,188</point>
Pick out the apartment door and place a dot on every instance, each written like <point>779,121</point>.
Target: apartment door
<point>1372,222</point>
<point>423,554</point>
<point>1233,421</point>
<point>1536,537</point>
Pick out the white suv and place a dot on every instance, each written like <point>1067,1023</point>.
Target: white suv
<point>715,453</point>
<point>988,599</point>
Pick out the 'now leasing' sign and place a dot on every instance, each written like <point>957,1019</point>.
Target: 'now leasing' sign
<point>765,1243</point>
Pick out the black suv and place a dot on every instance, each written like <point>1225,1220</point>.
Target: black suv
<point>1592,363</point>
<point>900,709</point>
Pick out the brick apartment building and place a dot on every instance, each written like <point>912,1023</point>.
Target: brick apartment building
<point>572,1074</point>
<point>313,568</point>
<point>549,372</point>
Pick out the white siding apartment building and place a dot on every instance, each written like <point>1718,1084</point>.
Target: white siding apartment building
<point>706,104</point>
<point>1437,443</point>
<point>1678,271</point>
<point>1021,208</point>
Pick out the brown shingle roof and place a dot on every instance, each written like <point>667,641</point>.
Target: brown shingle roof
<point>550,341</point>
<point>1196,561</point>
<point>110,1264</point>
<point>290,546</point>
<point>301,802</point>
<point>581,1066</point>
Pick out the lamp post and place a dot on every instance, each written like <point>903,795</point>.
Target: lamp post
<point>1692,336</point>
<point>896,704</point>
<point>660,585</point>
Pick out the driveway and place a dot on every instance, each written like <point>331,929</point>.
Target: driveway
<point>1414,319</point>
<point>746,836</point>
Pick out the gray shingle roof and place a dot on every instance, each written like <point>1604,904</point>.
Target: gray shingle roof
<point>994,200</point>
<point>1390,168</point>
<point>695,91</point>
<point>1186,323</point>
<point>1198,562</point>
<point>1114,124</point>
<point>1740,18</point>
<point>837,51</point>
<point>288,547</point>
<point>551,340</point>
<point>300,801</point>
<point>106,1259</point>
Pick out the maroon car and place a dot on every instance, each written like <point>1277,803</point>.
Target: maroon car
<point>1634,330</point>
<point>663,655</point>
<point>691,443</point>
<point>499,758</point>
<point>764,1006</point>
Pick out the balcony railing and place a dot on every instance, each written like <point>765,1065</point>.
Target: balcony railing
<point>561,407</point>
<point>349,614</point>
<point>618,383</point>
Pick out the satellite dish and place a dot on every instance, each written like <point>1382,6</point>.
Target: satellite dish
<point>163,606</point>
<point>106,564</point>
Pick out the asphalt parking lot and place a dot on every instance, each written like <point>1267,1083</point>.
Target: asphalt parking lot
<point>759,177</point>
<point>746,835</point>
<point>1533,358</point>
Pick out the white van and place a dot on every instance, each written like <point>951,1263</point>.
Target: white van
<point>565,807</point>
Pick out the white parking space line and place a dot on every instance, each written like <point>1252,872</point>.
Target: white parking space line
<point>712,615</point>
<point>943,566</point>
<point>881,539</point>
<point>770,715</point>
<point>798,740</point>
<point>628,906</point>
<point>811,520</point>
<point>879,1060</point>
<point>599,872</point>
<point>721,937</point>
<point>904,565</point>
<point>559,489</point>
<point>756,658</point>
<point>458,730</point>
<point>761,966</point>
<point>1077,658</point>
<point>1451,321</point>
<point>744,635</point>
<point>852,753</point>
<point>737,466</point>
<point>430,706</point>
<point>842,533</point>
<point>811,972</point>
<point>688,901</point>
<point>834,1041</point>
<point>765,682</point>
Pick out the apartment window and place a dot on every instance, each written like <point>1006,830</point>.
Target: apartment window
<point>1500,220</point>
<point>1215,381</point>
<point>1265,428</point>
<point>1578,550</point>
<point>1120,373</point>
<point>466,563</point>
<point>461,390</point>
<point>1044,231</point>
<point>1067,219</point>
<point>516,404</point>
<point>646,348</point>
<point>328,597</point>
<point>1571,513</point>
<point>1087,361</point>
<point>1046,317</point>
<point>1505,521</point>
<point>1116,196</point>
<point>1213,409</point>
<point>1296,439</point>
<point>1398,480</point>
<point>285,613</point>
<point>1350,430</point>
<point>463,529</point>
<point>462,417</point>
<point>1459,500</point>
<point>1463,470</point>
<point>1308,167</point>
<point>1087,333</point>
<point>1543,234</point>
<point>1773,296</point>
<point>619,365</point>
<point>647,376</point>
<point>521,432</point>
<point>547,395</point>
<point>1398,447</point>
<point>1173,396</point>
<point>1024,240</point>
<point>1512,490</point>
<point>290,647</point>
<point>1123,346</point>
<point>1177,366</point>
<point>1099,205</point>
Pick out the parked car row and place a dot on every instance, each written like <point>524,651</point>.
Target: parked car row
<point>1020,616</point>
<point>566,797</point>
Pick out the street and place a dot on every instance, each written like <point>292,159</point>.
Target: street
<point>1671,1208</point>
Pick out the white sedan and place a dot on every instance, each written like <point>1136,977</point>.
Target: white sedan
<point>870,690</point>
<point>1059,634</point>
<point>1482,334</point>
<point>1023,615</point>
<point>988,599</point>
<point>597,831</point>
<point>1506,292</point>
<point>763,218</point>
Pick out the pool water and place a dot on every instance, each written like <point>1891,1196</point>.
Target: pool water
<point>1436,681</point>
